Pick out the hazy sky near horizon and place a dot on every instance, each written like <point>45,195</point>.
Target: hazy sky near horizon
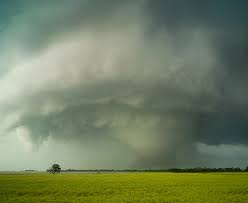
<point>123,84</point>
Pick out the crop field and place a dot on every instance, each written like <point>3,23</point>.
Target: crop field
<point>125,187</point>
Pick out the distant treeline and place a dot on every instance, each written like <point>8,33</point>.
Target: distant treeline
<point>175,170</point>
<point>200,170</point>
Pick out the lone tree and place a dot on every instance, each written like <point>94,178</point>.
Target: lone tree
<point>55,168</point>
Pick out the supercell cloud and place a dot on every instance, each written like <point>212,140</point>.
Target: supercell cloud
<point>124,84</point>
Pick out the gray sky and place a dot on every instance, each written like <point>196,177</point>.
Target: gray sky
<point>123,84</point>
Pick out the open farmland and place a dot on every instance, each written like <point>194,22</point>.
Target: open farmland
<point>125,187</point>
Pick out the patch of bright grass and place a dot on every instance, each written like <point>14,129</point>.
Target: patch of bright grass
<point>125,187</point>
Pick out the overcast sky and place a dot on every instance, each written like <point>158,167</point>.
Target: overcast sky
<point>123,84</point>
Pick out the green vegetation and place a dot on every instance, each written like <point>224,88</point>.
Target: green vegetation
<point>125,187</point>
<point>55,168</point>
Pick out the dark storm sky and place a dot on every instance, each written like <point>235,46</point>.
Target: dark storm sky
<point>123,84</point>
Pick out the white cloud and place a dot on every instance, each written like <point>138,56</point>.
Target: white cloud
<point>24,136</point>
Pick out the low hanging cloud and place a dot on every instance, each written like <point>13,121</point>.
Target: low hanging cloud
<point>124,76</point>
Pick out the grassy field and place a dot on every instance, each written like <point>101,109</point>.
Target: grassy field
<point>125,187</point>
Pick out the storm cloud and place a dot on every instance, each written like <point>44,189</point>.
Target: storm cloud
<point>129,84</point>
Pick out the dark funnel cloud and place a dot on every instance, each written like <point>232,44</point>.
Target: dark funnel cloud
<point>127,84</point>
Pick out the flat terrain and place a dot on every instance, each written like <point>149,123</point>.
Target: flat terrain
<point>125,187</point>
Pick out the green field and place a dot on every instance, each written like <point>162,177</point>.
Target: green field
<point>125,187</point>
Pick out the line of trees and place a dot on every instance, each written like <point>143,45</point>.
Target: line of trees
<point>55,168</point>
<point>175,170</point>
<point>204,169</point>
